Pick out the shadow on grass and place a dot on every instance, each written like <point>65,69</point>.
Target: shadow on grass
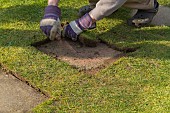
<point>21,38</point>
<point>31,13</point>
<point>28,13</point>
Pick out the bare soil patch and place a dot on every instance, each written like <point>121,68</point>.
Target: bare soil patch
<point>80,56</point>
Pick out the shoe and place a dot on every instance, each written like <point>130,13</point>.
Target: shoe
<point>143,17</point>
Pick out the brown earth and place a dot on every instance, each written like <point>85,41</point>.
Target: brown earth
<point>79,56</point>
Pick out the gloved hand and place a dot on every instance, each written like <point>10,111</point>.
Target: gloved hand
<point>74,28</point>
<point>50,24</point>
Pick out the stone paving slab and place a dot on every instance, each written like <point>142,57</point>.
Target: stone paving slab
<point>16,96</point>
<point>162,17</point>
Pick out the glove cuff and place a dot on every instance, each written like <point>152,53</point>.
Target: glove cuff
<point>75,27</point>
<point>52,12</point>
<point>85,22</point>
<point>81,24</point>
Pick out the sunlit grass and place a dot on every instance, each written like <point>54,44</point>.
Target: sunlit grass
<point>136,83</point>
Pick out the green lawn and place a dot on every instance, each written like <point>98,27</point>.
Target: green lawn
<point>139,82</point>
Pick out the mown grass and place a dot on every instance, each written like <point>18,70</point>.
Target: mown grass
<point>137,83</point>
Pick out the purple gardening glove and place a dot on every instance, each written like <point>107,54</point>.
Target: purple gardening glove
<point>50,24</point>
<point>74,28</point>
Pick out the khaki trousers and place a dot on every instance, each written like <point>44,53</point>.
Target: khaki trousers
<point>102,8</point>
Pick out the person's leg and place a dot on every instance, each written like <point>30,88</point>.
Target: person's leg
<point>147,9</point>
<point>140,4</point>
<point>105,8</point>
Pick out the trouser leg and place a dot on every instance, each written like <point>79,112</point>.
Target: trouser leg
<point>134,4</point>
<point>104,8</point>
<point>140,4</point>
